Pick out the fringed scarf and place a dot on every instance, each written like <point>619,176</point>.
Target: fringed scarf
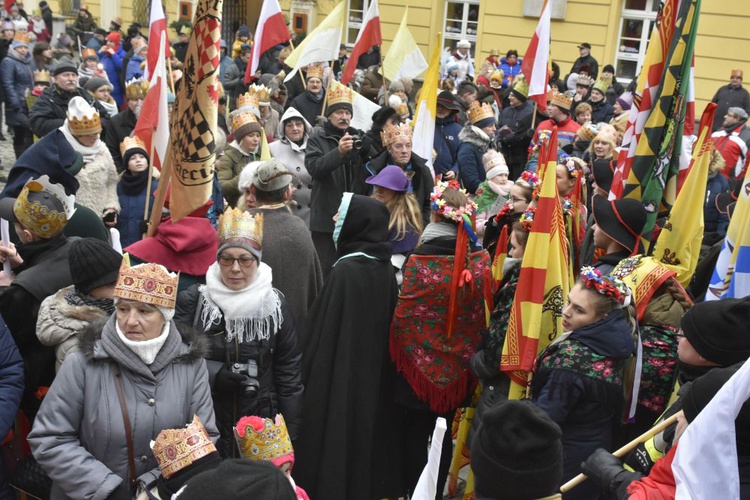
<point>88,152</point>
<point>249,314</point>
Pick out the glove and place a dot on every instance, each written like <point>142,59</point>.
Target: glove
<point>228,381</point>
<point>602,467</point>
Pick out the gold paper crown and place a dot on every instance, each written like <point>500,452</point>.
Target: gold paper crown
<point>403,110</point>
<point>561,100</point>
<point>315,71</point>
<point>271,443</point>
<point>235,223</point>
<point>602,84</point>
<point>240,118</point>
<point>339,94</point>
<point>478,113</point>
<point>247,99</point>
<point>89,52</point>
<point>175,449</point>
<point>22,37</point>
<point>136,88</point>
<point>584,80</point>
<point>41,75</point>
<point>261,93</point>
<point>391,133</point>
<point>85,125</point>
<point>134,142</point>
<point>147,283</point>
<point>522,87</point>
<point>43,207</point>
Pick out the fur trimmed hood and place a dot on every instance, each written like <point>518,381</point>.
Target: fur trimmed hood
<point>476,137</point>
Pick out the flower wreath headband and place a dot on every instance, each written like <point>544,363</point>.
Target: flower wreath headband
<point>528,179</point>
<point>527,218</point>
<point>609,286</point>
<point>461,215</point>
<point>571,164</point>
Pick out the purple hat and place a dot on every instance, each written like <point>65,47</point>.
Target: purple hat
<point>391,177</point>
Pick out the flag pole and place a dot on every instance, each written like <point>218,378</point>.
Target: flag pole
<point>148,182</point>
<point>161,193</point>
<point>325,97</point>
<point>299,70</point>
<point>171,78</point>
<point>533,119</point>
<point>382,73</point>
<point>625,449</point>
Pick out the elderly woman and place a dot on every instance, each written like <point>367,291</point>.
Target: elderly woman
<point>101,89</point>
<point>98,176</point>
<point>132,377</point>
<point>254,361</point>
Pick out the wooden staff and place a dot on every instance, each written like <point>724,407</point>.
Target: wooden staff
<point>325,96</point>
<point>161,193</point>
<point>171,77</point>
<point>148,183</point>
<point>382,74</point>
<point>299,70</point>
<point>624,450</point>
<point>533,119</point>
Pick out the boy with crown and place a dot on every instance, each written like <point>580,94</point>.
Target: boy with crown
<point>253,360</point>
<point>476,138</point>
<point>245,147</point>
<point>310,102</point>
<point>559,115</point>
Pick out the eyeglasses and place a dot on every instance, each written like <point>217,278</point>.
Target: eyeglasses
<point>245,261</point>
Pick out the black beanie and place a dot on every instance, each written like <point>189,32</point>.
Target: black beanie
<point>518,95</point>
<point>168,487</point>
<point>717,330</point>
<point>130,152</point>
<point>339,105</point>
<point>93,263</point>
<point>517,453</point>
<point>240,479</point>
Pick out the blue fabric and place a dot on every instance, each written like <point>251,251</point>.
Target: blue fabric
<point>113,66</point>
<point>343,208</point>
<point>131,213</point>
<point>509,71</point>
<point>446,144</point>
<point>11,390</point>
<point>17,78</point>
<point>94,43</point>
<point>715,221</point>
<point>470,166</point>
<point>134,68</point>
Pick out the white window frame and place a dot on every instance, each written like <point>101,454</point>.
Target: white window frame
<point>354,25</point>
<point>648,16</point>
<point>450,38</point>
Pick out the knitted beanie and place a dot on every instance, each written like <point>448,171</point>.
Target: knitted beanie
<point>239,479</point>
<point>717,330</point>
<point>93,263</point>
<point>517,453</point>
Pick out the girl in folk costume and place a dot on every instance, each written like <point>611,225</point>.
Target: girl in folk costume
<point>267,440</point>
<point>494,192</point>
<point>579,378</point>
<point>438,324</point>
<point>571,187</point>
<point>133,189</point>
<point>254,360</point>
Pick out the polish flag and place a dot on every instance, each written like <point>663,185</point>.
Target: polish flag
<point>157,26</point>
<point>536,59</point>
<point>270,32</point>
<point>153,123</point>
<point>369,36</point>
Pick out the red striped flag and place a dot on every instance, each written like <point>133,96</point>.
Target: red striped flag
<point>270,32</point>
<point>368,37</point>
<point>536,59</point>
<point>157,26</point>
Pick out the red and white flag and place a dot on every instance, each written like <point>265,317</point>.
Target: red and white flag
<point>153,123</point>
<point>536,59</point>
<point>157,26</point>
<point>368,37</point>
<point>270,32</point>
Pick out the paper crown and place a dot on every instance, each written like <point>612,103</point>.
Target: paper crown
<point>263,439</point>
<point>247,99</point>
<point>43,207</point>
<point>522,87</point>
<point>391,133</point>
<point>315,71</point>
<point>134,142</point>
<point>147,283</point>
<point>22,37</point>
<point>136,88</point>
<point>240,118</point>
<point>478,112</point>
<point>235,223</point>
<point>338,95</point>
<point>83,119</point>
<point>560,100</point>
<point>175,449</point>
<point>261,93</point>
<point>584,80</point>
<point>602,84</point>
<point>89,52</point>
<point>41,76</point>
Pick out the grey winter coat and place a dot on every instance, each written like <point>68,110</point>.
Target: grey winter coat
<point>78,435</point>
<point>292,156</point>
<point>17,78</point>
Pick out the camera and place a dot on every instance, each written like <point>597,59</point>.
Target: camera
<point>358,143</point>
<point>250,385</point>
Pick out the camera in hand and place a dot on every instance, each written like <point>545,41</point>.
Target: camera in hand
<point>250,384</point>
<point>110,217</point>
<point>357,143</point>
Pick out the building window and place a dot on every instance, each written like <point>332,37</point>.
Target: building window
<point>70,7</point>
<point>461,22</point>
<point>141,12</point>
<point>357,11</point>
<point>637,22</point>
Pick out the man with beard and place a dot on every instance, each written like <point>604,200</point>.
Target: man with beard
<point>732,140</point>
<point>50,110</point>
<point>122,124</point>
<point>335,158</point>
<point>310,102</point>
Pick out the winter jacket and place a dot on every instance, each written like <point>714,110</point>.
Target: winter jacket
<point>113,66</point>
<point>715,221</point>
<point>130,219</point>
<point>134,69</point>
<point>586,60</point>
<point>421,182</point>
<point>307,104</point>
<point>17,79</point>
<point>51,109</point>
<point>11,380</point>
<point>727,97</point>
<point>98,183</point>
<point>234,82</point>
<point>78,437</point>
<point>372,84</point>
<point>566,131</point>
<point>333,175</point>
<point>224,63</point>
<point>292,156</point>
<point>60,324</point>
<point>733,142</point>
<point>279,362</point>
<point>228,171</point>
<point>474,143</point>
<point>515,146</point>
<point>446,144</point>
<point>509,71</point>
<point>602,111</point>
<point>119,127</point>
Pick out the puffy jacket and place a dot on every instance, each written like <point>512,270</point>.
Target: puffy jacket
<point>78,436</point>
<point>509,71</point>
<point>229,169</point>
<point>234,81</point>
<point>51,108</point>
<point>715,221</point>
<point>279,362</point>
<point>474,143</point>
<point>11,380</point>
<point>134,69</point>
<point>446,144</point>
<point>113,66</point>
<point>602,111</point>
<point>17,78</point>
<point>515,146</point>
<point>130,218</point>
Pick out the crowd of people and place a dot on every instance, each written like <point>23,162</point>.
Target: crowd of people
<point>299,334</point>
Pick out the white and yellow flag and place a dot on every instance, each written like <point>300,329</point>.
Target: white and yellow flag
<point>424,120</point>
<point>320,45</point>
<point>404,57</point>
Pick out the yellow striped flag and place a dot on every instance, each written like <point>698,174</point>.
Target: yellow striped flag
<point>423,138</point>
<point>679,243</point>
<point>404,58</point>
<point>544,282</point>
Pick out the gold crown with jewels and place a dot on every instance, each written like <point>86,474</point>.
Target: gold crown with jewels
<point>561,100</point>
<point>478,112</point>
<point>240,118</point>
<point>339,94</point>
<point>137,88</point>
<point>391,133</point>
<point>235,223</point>
<point>271,442</point>
<point>176,449</point>
<point>134,142</point>
<point>41,76</point>
<point>315,71</point>
<point>43,207</point>
<point>148,283</point>
<point>247,99</point>
<point>262,93</point>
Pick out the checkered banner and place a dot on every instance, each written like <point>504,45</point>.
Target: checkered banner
<point>195,114</point>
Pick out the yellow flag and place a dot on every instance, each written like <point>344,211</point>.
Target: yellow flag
<point>322,44</point>
<point>265,152</point>
<point>424,120</point>
<point>404,58</point>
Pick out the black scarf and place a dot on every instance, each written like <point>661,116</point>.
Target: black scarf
<point>134,183</point>
<point>76,298</point>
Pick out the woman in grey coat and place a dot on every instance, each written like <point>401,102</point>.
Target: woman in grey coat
<point>79,435</point>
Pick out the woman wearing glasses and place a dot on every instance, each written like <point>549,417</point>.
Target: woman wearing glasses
<point>254,362</point>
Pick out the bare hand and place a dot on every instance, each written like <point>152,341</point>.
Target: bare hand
<point>450,174</point>
<point>346,144</point>
<point>5,280</point>
<point>10,253</point>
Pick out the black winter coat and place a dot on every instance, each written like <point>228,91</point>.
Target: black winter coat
<point>279,362</point>
<point>51,108</point>
<point>422,182</point>
<point>515,145</point>
<point>308,107</point>
<point>602,111</point>
<point>119,127</point>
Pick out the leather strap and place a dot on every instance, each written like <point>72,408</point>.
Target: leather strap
<point>126,423</point>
